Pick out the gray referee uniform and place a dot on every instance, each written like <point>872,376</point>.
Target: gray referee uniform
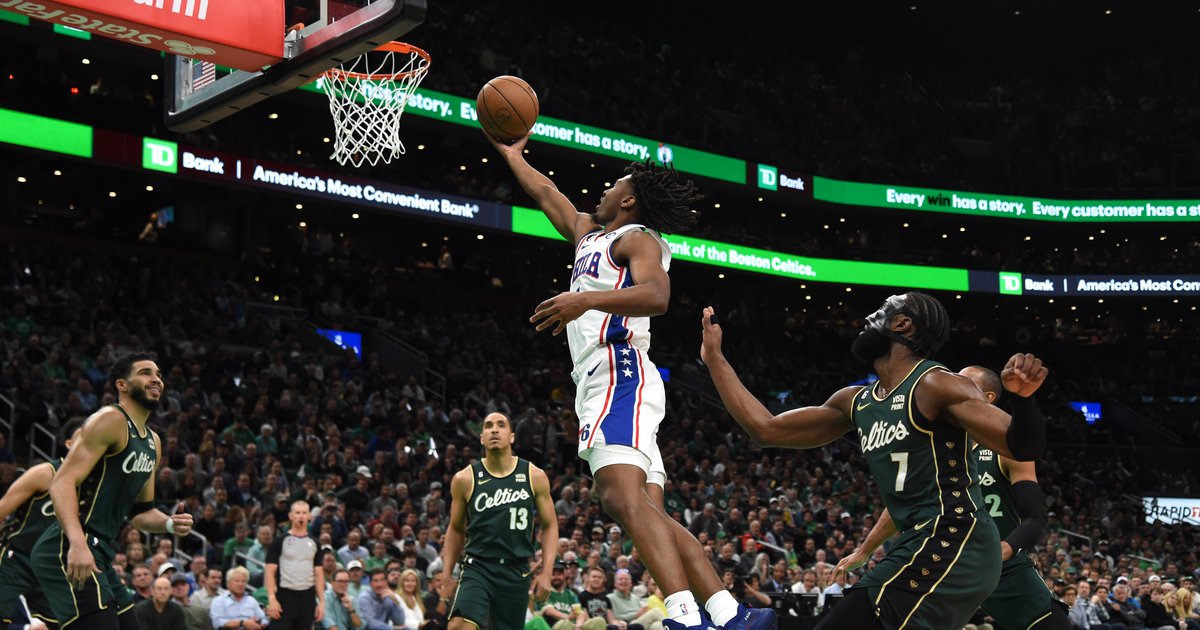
<point>297,556</point>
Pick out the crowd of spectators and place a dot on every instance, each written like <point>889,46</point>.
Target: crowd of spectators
<point>258,415</point>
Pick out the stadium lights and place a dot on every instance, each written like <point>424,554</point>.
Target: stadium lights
<point>303,224</point>
<point>354,215</point>
<point>57,172</point>
<point>86,61</point>
<point>462,167</point>
<point>826,226</point>
<point>112,193</point>
<point>326,141</point>
<point>479,237</point>
<point>484,160</point>
<point>782,215</point>
<point>149,188</point>
<point>420,147</point>
<point>716,205</point>
<point>962,229</point>
<point>760,199</point>
<point>841,219</point>
<point>154,77</point>
<point>583,190</point>
<point>273,116</point>
<point>21,179</point>
<point>721,276</point>
<point>299,206</point>
<point>905,225</point>
<point>550,173</point>
<point>423,244</point>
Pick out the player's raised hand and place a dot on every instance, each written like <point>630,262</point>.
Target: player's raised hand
<point>1023,374</point>
<point>559,311</point>
<point>81,565</point>
<point>711,334</point>
<point>182,520</point>
<point>851,562</point>
<point>508,150</point>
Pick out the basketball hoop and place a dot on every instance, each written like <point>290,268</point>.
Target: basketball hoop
<point>367,97</point>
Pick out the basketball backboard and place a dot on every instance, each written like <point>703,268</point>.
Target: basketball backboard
<point>314,36</point>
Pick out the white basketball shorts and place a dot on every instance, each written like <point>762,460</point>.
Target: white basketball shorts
<point>620,401</point>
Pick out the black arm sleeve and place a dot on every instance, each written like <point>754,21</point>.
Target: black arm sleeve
<point>1027,433</point>
<point>139,507</point>
<point>1027,495</point>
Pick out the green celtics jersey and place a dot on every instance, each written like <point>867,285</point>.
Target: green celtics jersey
<point>564,601</point>
<point>27,523</point>
<point>997,494</point>
<point>110,490</point>
<point>500,514</point>
<point>923,467</point>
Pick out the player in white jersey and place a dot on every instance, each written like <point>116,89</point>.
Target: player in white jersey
<point>619,280</point>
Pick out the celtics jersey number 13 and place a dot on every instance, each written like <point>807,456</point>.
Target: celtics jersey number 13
<point>501,513</point>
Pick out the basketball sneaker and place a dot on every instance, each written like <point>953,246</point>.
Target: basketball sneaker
<point>705,624</point>
<point>752,619</point>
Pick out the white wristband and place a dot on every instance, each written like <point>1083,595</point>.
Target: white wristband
<point>170,525</point>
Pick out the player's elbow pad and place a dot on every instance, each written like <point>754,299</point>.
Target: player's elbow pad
<point>1027,433</point>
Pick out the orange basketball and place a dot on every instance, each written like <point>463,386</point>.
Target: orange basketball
<point>507,108</point>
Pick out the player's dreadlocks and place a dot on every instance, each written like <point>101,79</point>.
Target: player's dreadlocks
<point>665,202</point>
<point>933,324</point>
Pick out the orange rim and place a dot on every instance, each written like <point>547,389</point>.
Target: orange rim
<point>337,74</point>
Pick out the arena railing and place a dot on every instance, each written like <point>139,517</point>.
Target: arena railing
<point>36,453</point>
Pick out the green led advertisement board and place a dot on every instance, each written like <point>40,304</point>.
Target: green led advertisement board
<point>1005,206</point>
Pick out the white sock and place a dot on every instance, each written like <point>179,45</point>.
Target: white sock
<point>722,607</point>
<point>682,607</point>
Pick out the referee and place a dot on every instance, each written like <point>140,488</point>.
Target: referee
<point>293,569</point>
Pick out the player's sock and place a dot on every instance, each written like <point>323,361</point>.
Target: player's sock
<point>722,607</point>
<point>682,607</point>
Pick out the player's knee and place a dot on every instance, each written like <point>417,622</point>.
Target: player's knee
<point>620,505</point>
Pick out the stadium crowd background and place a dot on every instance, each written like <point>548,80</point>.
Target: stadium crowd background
<point>260,411</point>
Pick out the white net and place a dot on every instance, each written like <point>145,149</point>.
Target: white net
<point>367,98</point>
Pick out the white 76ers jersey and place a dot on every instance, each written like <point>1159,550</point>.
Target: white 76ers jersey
<point>595,270</point>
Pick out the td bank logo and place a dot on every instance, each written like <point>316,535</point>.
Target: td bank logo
<point>160,155</point>
<point>1010,283</point>
<point>768,177</point>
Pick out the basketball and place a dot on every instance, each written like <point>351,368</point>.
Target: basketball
<point>507,108</point>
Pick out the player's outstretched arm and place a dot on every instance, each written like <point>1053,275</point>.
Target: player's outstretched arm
<point>456,530</point>
<point>648,297</point>
<point>807,427</point>
<point>548,519</point>
<point>31,483</point>
<point>884,529</point>
<point>147,518</point>
<point>1030,504</point>
<point>569,222</point>
<point>956,400</point>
